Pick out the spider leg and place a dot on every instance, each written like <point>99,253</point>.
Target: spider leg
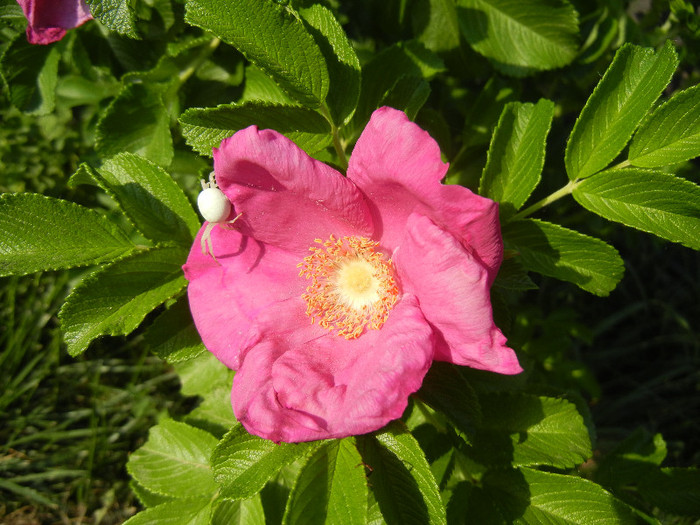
<point>226,224</point>
<point>206,239</point>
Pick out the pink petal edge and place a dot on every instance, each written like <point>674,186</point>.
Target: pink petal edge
<point>454,293</point>
<point>287,198</point>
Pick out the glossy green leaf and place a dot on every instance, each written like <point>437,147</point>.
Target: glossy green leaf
<point>516,155</point>
<point>565,254</point>
<point>527,430</point>
<point>674,490</point>
<point>343,64</point>
<point>137,121</point>
<point>331,487</point>
<point>401,479</point>
<point>205,128</point>
<point>117,15</point>
<point>181,511</point>
<point>512,276</point>
<point>531,497</point>
<point>203,374</point>
<point>408,94</point>
<point>238,512</point>
<point>115,299</point>
<point>174,461</point>
<point>671,134</point>
<point>42,233</point>
<point>447,391</point>
<point>149,196</point>
<point>520,37</point>
<point>31,73</point>
<point>173,336</point>
<point>620,101</point>
<point>632,460</point>
<point>243,463</point>
<point>272,36</point>
<point>380,75</point>
<point>650,201</point>
<point>259,87</point>
<point>435,24</point>
<point>214,413</point>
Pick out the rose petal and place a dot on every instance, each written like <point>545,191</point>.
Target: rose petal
<point>287,198</point>
<point>228,293</point>
<point>398,167</point>
<point>48,19</point>
<point>329,387</point>
<point>453,290</point>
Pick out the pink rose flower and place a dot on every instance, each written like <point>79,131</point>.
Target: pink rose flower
<point>49,19</point>
<point>331,296</point>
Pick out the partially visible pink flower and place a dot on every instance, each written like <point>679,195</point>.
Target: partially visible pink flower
<point>49,19</point>
<point>393,266</point>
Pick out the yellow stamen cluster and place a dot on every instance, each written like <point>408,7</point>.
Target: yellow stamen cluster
<point>352,286</point>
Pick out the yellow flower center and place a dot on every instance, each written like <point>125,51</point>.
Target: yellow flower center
<point>352,286</point>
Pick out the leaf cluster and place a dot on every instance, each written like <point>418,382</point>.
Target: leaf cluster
<point>154,85</point>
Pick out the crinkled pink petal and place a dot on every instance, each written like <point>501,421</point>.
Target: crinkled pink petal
<point>454,292</point>
<point>398,167</point>
<point>226,295</point>
<point>314,384</point>
<point>49,19</point>
<point>287,198</point>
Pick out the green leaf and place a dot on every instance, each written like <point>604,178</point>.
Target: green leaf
<point>512,276</point>
<point>343,64</point>
<point>565,254</point>
<point>521,36</point>
<point>116,15</point>
<point>115,299</point>
<point>632,460</point>
<point>401,479</point>
<point>31,74</point>
<point>146,497</point>
<point>381,74</point>
<point>137,121</point>
<point>185,511</point>
<point>273,37</point>
<point>530,497</point>
<point>331,487</point>
<point>238,512</point>
<point>261,88</point>
<point>516,155</point>
<point>650,201</point>
<point>408,94</point>
<point>527,430</point>
<point>205,128</point>
<point>174,461</point>
<point>624,95</point>
<point>436,25</point>
<point>446,390</point>
<point>243,463</point>
<point>203,374</point>
<point>173,336</point>
<point>674,490</point>
<point>150,198</point>
<point>215,413</point>
<point>42,233</point>
<point>671,134</point>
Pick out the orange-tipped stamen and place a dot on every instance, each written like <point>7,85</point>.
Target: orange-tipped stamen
<point>352,287</point>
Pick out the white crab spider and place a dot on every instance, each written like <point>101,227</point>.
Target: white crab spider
<point>215,207</point>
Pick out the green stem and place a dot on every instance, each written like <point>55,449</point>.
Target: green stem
<point>562,192</point>
<point>186,73</point>
<point>339,149</point>
<point>621,165</point>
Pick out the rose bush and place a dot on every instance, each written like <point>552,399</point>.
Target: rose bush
<point>331,296</point>
<point>48,19</point>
